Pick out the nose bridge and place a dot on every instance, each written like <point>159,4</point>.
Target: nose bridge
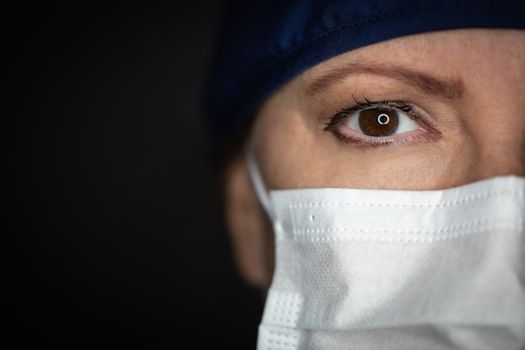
<point>493,112</point>
<point>502,150</point>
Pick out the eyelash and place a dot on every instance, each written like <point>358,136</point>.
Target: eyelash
<point>429,133</point>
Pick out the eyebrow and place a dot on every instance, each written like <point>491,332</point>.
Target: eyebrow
<point>448,89</point>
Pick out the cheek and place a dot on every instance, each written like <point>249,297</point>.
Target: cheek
<point>282,142</point>
<point>295,157</point>
<point>426,167</point>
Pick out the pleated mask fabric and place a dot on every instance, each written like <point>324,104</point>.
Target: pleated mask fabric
<point>385,269</point>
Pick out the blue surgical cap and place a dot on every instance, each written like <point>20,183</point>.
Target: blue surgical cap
<point>264,44</point>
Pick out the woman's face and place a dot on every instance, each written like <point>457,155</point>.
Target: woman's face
<point>441,109</point>
<point>428,111</point>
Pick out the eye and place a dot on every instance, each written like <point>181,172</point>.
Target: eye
<point>380,122</point>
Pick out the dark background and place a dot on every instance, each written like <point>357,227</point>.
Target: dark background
<point>109,192</point>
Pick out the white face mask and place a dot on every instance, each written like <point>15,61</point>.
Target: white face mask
<point>382,269</point>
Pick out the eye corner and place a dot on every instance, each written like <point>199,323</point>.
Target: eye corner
<point>338,117</point>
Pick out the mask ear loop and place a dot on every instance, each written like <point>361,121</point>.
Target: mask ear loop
<point>263,197</point>
<point>258,182</point>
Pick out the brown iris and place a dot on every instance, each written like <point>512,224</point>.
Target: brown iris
<point>378,121</point>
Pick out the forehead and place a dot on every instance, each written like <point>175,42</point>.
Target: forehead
<point>451,53</point>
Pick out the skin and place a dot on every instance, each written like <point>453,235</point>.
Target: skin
<point>477,134</point>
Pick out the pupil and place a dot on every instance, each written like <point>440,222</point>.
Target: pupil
<point>383,119</point>
<point>378,121</point>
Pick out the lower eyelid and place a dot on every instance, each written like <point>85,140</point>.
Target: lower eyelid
<point>362,141</point>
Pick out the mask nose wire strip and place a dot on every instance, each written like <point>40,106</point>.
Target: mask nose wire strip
<point>258,182</point>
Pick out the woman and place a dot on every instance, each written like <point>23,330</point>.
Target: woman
<point>385,142</point>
